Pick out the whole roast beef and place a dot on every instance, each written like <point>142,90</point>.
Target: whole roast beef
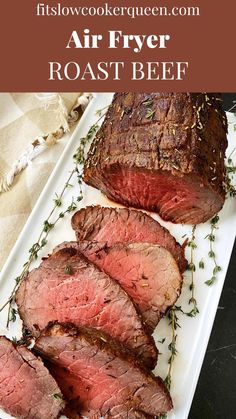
<point>121,225</point>
<point>147,272</point>
<point>27,390</point>
<point>162,152</point>
<point>66,287</point>
<point>99,376</point>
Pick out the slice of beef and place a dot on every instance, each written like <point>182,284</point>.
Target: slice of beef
<point>72,387</point>
<point>162,152</point>
<point>99,376</point>
<point>121,225</point>
<point>147,272</point>
<point>66,287</point>
<point>27,390</point>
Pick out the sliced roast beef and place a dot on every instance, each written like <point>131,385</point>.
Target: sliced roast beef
<point>147,272</point>
<point>27,390</point>
<point>120,225</point>
<point>66,287</point>
<point>72,387</point>
<point>99,376</point>
<point>162,152</point>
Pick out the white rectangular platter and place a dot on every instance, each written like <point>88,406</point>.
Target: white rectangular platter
<point>194,333</point>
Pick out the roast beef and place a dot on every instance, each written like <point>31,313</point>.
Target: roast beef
<point>66,287</point>
<point>147,272</point>
<point>162,152</point>
<point>27,390</point>
<point>120,225</point>
<point>99,376</point>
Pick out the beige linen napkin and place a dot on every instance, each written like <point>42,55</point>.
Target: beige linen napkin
<point>29,125</point>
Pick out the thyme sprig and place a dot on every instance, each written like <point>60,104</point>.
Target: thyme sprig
<point>173,316</point>
<point>211,237</point>
<point>229,186</point>
<point>192,268</point>
<point>33,255</point>
<point>174,322</point>
<point>172,347</point>
<point>79,156</point>
<point>49,224</point>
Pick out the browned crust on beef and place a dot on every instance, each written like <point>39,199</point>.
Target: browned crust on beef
<point>101,340</point>
<point>185,137</point>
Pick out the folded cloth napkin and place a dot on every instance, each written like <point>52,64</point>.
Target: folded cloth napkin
<point>34,128</point>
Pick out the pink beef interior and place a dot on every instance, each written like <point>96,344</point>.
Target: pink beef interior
<point>67,288</point>
<point>148,273</point>
<point>183,199</point>
<point>27,390</point>
<point>97,378</point>
<point>121,225</point>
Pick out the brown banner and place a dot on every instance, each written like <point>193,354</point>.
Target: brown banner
<point>116,45</point>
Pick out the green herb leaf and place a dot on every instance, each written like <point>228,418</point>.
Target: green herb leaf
<point>150,113</point>
<point>43,243</point>
<point>17,279</point>
<point>72,207</point>
<point>191,267</point>
<point>192,245</point>
<point>167,382</point>
<point>57,396</point>
<point>201,264</point>
<point>47,226</point>
<point>148,102</point>
<point>162,340</point>
<point>193,312</point>
<point>57,200</point>
<point>216,269</point>
<point>211,281</point>
<point>211,254</point>
<point>13,314</point>
<point>215,220</point>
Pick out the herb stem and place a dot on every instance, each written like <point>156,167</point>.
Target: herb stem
<point>230,168</point>
<point>192,268</point>
<point>172,316</point>
<point>232,152</point>
<point>211,237</point>
<point>99,111</point>
<point>173,344</point>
